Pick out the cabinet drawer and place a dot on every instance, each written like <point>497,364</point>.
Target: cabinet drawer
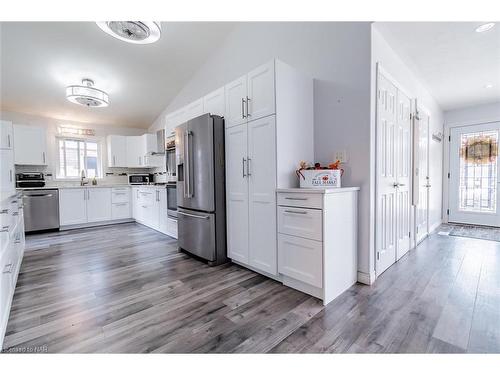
<point>120,211</point>
<point>120,195</point>
<point>301,222</point>
<point>300,200</point>
<point>301,259</point>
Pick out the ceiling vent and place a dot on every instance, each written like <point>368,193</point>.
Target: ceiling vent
<point>137,32</point>
<point>87,95</point>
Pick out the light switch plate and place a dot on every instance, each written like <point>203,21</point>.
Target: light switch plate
<point>341,155</point>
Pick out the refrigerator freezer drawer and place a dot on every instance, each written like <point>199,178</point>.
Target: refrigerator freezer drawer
<point>196,233</point>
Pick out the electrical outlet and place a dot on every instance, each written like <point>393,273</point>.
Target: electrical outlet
<point>341,155</point>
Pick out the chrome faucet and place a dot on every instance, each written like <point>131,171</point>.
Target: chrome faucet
<point>82,181</point>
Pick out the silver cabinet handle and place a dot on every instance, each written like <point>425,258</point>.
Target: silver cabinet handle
<point>401,184</point>
<point>5,211</point>
<point>243,161</point>
<point>5,228</point>
<point>242,108</point>
<point>296,199</point>
<point>88,194</point>
<point>191,215</point>
<point>296,212</point>
<point>43,156</point>
<point>15,213</point>
<point>8,140</point>
<point>248,101</point>
<point>10,174</point>
<point>120,204</point>
<point>8,268</point>
<point>248,167</point>
<point>114,161</point>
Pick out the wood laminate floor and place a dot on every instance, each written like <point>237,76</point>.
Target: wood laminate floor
<point>126,289</point>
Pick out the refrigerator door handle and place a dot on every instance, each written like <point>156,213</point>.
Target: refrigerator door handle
<point>187,162</point>
<point>248,167</point>
<point>191,215</point>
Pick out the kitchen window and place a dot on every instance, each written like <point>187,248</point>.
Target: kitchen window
<point>77,155</point>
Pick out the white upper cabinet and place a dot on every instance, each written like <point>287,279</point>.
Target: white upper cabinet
<point>214,103</point>
<point>7,178</point>
<point>98,204</point>
<point>236,93</point>
<point>135,152</point>
<point>117,150</point>
<point>260,101</point>
<point>194,109</point>
<point>174,119</point>
<point>30,146</point>
<point>6,135</point>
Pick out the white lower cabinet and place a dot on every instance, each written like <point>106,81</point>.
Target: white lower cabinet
<point>72,206</point>
<point>150,209</point>
<point>98,204</point>
<point>88,205</point>
<point>317,240</point>
<point>11,252</point>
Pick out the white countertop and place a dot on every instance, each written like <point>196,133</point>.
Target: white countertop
<point>318,190</point>
<point>74,187</point>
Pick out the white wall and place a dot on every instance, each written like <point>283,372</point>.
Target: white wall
<point>337,55</point>
<point>475,115</point>
<point>407,80</point>
<point>51,125</point>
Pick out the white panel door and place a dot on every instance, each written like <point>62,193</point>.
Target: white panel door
<point>98,204</point>
<point>6,135</point>
<point>29,145</point>
<point>237,193</point>
<point>422,209</point>
<point>403,173</point>
<point>386,175</point>
<point>236,93</point>
<point>260,101</point>
<point>475,175</point>
<point>194,109</point>
<point>117,151</point>
<point>73,206</point>
<point>261,171</point>
<point>7,177</point>
<point>214,103</point>
<point>135,152</point>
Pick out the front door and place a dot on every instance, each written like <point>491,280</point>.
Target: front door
<point>474,175</point>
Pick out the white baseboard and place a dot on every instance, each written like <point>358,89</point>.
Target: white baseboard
<point>366,278</point>
<point>434,226</point>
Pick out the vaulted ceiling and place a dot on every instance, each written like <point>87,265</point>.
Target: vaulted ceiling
<point>39,59</point>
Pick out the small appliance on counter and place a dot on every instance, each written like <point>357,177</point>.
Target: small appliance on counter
<point>30,180</point>
<point>140,178</point>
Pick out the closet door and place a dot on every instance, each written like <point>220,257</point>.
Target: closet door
<point>423,183</point>
<point>262,194</point>
<point>403,171</point>
<point>237,193</point>
<point>385,233</point>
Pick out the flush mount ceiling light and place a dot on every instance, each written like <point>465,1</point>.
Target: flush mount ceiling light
<point>87,95</point>
<point>488,86</point>
<point>138,32</point>
<point>485,27</point>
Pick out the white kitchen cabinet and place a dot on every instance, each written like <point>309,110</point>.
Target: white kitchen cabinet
<point>6,135</point>
<point>120,203</point>
<point>317,247</point>
<point>162,210</point>
<point>214,103</point>
<point>194,109</point>
<point>72,206</point>
<point>135,152</point>
<point>117,150</point>
<point>7,175</point>
<point>135,202</point>
<point>236,93</point>
<point>237,193</point>
<point>261,174</point>
<point>260,87</point>
<point>120,211</point>
<point>30,145</point>
<point>98,204</point>
<point>262,154</point>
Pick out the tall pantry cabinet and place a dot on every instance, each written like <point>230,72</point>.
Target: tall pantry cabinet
<point>269,130</point>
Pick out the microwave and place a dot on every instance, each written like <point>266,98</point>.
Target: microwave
<point>140,179</point>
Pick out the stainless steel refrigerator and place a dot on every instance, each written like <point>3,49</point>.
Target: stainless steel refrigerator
<point>201,188</point>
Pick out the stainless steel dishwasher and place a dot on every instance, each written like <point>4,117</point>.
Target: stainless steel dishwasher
<point>41,209</point>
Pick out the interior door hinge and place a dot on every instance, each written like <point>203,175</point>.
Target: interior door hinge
<point>448,174</point>
<point>449,138</point>
<point>409,234</point>
<point>378,255</point>
<point>448,211</point>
